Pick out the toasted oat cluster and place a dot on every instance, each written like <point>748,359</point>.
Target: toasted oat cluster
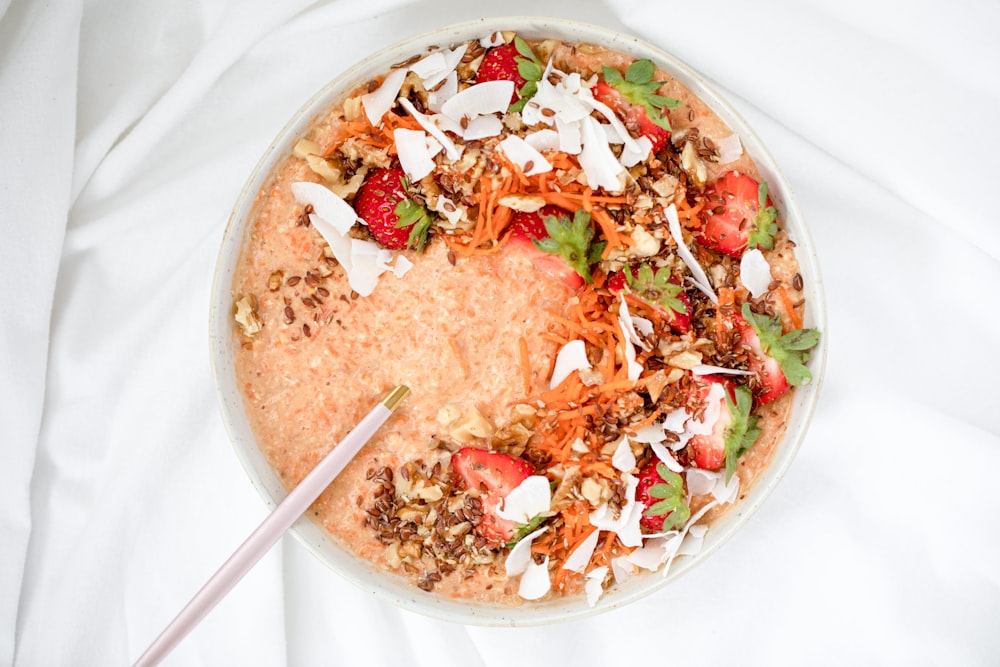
<point>646,390</point>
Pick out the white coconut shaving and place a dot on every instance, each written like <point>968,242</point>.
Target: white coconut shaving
<point>628,322</point>
<point>436,67</point>
<point>702,482</point>
<point>401,266</point>
<point>449,209</point>
<point>379,101</point>
<point>520,555</point>
<point>580,558</point>
<point>414,154</point>
<point>626,524</point>
<point>623,459</point>
<point>730,149</point>
<point>653,553</point>
<point>594,586</point>
<point>429,124</point>
<point>482,99</point>
<point>492,40</point>
<point>691,545</point>
<point>625,323</point>
<point>675,545</point>
<point>437,97</point>
<point>602,168</point>
<point>571,357</point>
<point>326,204</point>
<point>666,457</point>
<point>700,280</point>
<point>755,272</point>
<point>482,127</point>
<point>520,152</point>
<point>708,369</point>
<point>535,582</point>
<point>543,140</point>
<point>531,497</point>
<point>570,139</point>
<point>622,569</point>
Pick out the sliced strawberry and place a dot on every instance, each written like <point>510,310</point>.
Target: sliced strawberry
<point>394,219</point>
<point>515,62</point>
<point>557,245</point>
<point>661,492</point>
<point>777,358</point>
<point>495,475</point>
<point>708,451</point>
<point>634,98</point>
<point>733,219</point>
<point>657,287</point>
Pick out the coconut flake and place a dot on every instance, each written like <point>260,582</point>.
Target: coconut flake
<point>708,369</point>
<point>429,65</point>
<point>580,558</point>
<point>482,99</point>
<point>622,569</point>
<point>414,155</point>
<point>653,553</point>
<point>691,545</point>
<point>601,166</point>
<point>633,156</point>
<point>448,209</point>
<point>326,204</point>
<point>543,140</point>
<point>702,482</point>
<point>428,123</point>
<point>437,97</point>
<point>623,459</point>
<point>378,102</point>
<point>531,497</point>
<point>492,40</point>
<point>524,156</point>
<point>520,555</point>
<point>595,584</point>
<point>535,581</point>
<point>755,272</point>
<point>401,266</point>
<point>570,140</point>
<point>626,524</point>
<point>339,243</point>
<point>482,127</point>
<point>687,526</point>
<point>571,357</point>
<point>730,149</point>
<point>700,279</point>
<point>438,66</point>
<point>627,323</point>
<point>666,457</point>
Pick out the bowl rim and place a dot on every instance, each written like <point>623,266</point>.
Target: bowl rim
<point>391,587</point>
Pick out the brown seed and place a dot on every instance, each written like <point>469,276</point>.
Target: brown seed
<point>548,113</point>
<point>309,303</point>
<point>797,281</point>
<point>293,281</point>
<point>451,257</point>
<point>322,291</point>
<point>306,330</point>
<point>529,165</point>
<point>289,315</point>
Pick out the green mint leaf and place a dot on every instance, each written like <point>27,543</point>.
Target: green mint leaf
<point>522,48</point>
<point>800,339</point>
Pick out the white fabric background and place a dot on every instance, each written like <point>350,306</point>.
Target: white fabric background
<point>126,131</point>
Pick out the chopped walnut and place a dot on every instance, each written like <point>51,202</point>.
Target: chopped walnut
<point>246,315</point>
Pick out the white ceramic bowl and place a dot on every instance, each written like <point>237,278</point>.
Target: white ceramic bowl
<point>393,588</point>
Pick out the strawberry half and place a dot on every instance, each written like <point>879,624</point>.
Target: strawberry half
<point>514,61</point>
<point>777,358</point>
<point>634,98</point>
<point>495,475</point>
<point>661,491</point>
<point>659,288</point>
<point>393,217</point>
<point>734,432</point>
<point>734,219</point>
<point>557,245</point>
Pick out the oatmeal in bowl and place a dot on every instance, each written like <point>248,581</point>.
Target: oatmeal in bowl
<point>590,273</point>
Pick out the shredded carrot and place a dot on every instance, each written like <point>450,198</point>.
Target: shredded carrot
<point>522,349</point>
<point>789,308</point>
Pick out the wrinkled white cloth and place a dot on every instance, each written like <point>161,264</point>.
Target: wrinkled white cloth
<point>127,129</point>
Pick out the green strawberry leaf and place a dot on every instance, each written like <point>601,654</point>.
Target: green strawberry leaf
<point>742,431</point>
<point>672,504</point>
<point>789,349</point>
<point>523,529</point>
<point>655,288</point>
<point>764,223</point>
<point>413,215</point>
<point>573,240</point>
<point>531,69</point>
<point>639,88</point>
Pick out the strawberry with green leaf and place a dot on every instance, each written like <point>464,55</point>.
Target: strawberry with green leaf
<point>562,247</point>
<point>739,215</point>
<point>514,61</point>
<point>394,218</point>
<point>661,491</point>
<point>633,96</point>
<point>494,475</point>
<point>778,358</point>
<point>733,433</point>
<point>657,287</point>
